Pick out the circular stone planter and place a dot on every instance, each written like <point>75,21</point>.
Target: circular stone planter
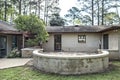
<point>28,52</point>
<point>71,63</point>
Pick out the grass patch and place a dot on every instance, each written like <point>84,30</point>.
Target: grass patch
<point>28,73</point>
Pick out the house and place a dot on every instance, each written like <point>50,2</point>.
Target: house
<point>66,38</point>
<point>84,39</point>
<point>9,38</point>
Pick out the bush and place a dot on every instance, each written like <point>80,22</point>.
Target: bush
<point>14,53</point>
<point>31,43</point>
<point>34,26</point>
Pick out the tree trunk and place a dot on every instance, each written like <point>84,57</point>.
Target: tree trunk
<point>92,12</point>
<point>20,7</point>
<point>46,11</point>
<point>102,12</point>
<point>98,15</point>
<point>39,12</point>
<point>24,8</point>
<point>36,9</point>
<point>30,7</point>
<point>39,8</point>
<point>5,15</point>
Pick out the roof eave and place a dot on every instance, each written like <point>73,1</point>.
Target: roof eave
<point>74,32</point>
<point>110,28</point>
<point>11,32</point>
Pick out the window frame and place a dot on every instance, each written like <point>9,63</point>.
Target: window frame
<point>83,38</point>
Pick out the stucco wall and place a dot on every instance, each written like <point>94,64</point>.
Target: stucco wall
<point>113,39</point>
<point>49,46</point>
<point>70,42</point>
<point>119,42</point>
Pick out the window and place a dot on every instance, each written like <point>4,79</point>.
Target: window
<point>14,41</point>
<point>81,38</point>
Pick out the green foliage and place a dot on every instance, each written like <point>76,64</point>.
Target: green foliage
<point>31,43</point>
<point>56,20</point>
<point>95,12</point>
<point>10,9</point>
<point>14,53</point>
<point>32,25</point>
<point>111,18</point>
<point>5,9</point>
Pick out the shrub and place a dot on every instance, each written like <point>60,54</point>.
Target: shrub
<point>31,43</point>
<point>15,53</point>
<point>33,25</point>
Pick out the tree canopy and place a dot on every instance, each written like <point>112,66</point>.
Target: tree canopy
<point>85,12</point>
<point>56,20</point>
<point>10,9</point>
<point>95,12</point>
<point>33,25</point>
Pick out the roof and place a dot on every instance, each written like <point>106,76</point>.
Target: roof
<point>8,28</point>
<point>112,27</point>
<point>65,29</point>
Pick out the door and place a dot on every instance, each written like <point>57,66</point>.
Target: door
<point>3,43</point>
<point>57,42</point>
<point>105,41</point>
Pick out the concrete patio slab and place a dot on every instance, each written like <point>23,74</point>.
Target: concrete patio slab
<point>13,62</point>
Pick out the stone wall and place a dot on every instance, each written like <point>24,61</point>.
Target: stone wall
<point>71,64</point>
<point>28,52</point>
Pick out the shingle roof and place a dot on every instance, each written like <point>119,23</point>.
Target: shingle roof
<point>112,27</point>
<point>6,26</point>
<point>65,29</point>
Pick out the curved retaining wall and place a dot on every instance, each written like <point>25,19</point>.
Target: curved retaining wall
<point>28,52</point>
<point>80,64</point>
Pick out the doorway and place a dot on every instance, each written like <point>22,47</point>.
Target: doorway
<point>105,41</point>
<point>3,48</point>
<point>57,42</point>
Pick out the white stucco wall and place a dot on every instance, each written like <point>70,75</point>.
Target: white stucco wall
<point>70,42</point>
<point>113,39</point>
<point>119,43</point>
<point>49,46</point>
